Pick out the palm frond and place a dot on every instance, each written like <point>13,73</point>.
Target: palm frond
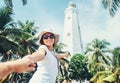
<point>9,3</point>
<point>99,76</point>
<point>6,45</point>
<point>111,78</point>
<point>5,17</point>
<point>11,32</point>
<point>24,2</point>
<point>105,59</point>
<point>99,67</point>
<point>111,5</point>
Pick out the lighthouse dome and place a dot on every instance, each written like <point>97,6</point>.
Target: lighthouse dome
<point>72,4</point>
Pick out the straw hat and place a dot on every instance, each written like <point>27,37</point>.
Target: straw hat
<point>47,31</point>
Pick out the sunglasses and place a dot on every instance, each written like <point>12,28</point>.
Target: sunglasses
<point>50,36</point>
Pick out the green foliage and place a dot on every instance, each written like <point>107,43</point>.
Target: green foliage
<point>97,52</point>
<point>97,78</point>
<point>63,73</point>
<point>15,42</point>
<point>58,47</point>
<point>77,68</point>
<point>9,3</point>
<point>6,45</point>
<point>5,17</point>
<point>111,78</point>
<point>116,57</point>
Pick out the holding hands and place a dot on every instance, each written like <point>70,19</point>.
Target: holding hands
<point>19,66</point>
<point>25,64</point>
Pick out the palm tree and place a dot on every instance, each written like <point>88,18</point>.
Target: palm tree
<point>63,71</point>
<point>5,31</point>
<point>26,45</point>
<point>96,52</point>
<point>15,39</point>
<point>27,39</point>
<point>10,34</point>
<point>116,57</point>
<point>111,76</point>
<point>111,5</point>
<point>59,47</point>
<point>8,48</point>
<point>108,76</point>
<point>63,68</point>
<point>5,17</point>
<point>116,61</point>
<point>98,78</point>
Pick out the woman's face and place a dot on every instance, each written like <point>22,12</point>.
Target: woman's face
<point>48,39</point>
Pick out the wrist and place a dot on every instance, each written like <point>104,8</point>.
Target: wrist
<point>14,66</point>
<point>7,68</point>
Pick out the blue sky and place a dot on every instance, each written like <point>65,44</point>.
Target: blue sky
<point>95,22</point>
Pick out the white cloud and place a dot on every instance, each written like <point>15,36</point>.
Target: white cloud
<point>113,29</point>
<point>98,24</point>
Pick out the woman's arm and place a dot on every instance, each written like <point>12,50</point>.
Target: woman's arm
<point>62,55</point>
<point>38,55</point>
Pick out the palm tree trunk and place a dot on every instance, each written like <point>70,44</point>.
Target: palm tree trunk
<point>118,79</point>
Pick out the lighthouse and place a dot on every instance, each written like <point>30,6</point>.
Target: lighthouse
<point>72,34</point>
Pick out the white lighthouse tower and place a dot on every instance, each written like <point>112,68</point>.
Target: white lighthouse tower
<point>72,34</point>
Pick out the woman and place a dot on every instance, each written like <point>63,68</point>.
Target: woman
<point>46,58</point>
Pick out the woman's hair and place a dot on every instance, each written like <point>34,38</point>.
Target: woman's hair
<point>42,43</point>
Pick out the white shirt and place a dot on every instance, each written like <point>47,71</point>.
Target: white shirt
<point>47,69</point>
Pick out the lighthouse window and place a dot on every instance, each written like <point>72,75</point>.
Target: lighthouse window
<point>68,34</point>
<point>69,17</point>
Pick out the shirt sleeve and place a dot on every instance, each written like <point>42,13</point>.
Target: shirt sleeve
<point>43,47</point>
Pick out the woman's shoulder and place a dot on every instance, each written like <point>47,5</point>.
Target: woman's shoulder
<point>43,47</point>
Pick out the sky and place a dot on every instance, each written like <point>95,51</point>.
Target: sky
<point>95,21</point>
